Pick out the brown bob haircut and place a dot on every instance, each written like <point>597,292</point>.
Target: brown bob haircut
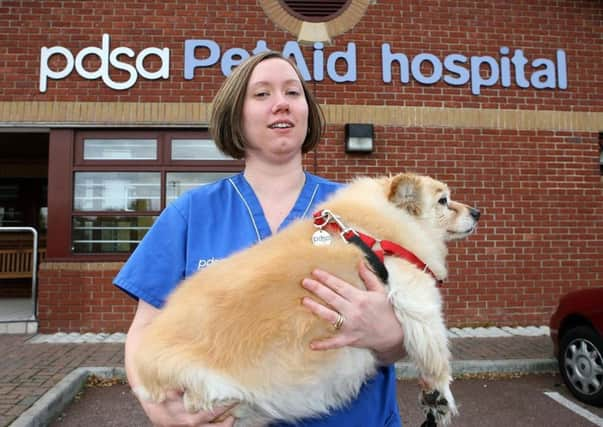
<point>226,124</point>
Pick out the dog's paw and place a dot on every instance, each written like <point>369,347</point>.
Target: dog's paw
<point>430,421</point>
<point>436,408</point>
<point>192,402</point>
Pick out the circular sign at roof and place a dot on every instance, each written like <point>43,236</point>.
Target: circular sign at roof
<point>316,10</point>
<point>315,20</point>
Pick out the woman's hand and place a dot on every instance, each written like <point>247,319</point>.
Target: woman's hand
<point>171,413</point>
<point>369,319</point>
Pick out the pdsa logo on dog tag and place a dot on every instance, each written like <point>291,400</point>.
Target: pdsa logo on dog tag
<point>321,238</point>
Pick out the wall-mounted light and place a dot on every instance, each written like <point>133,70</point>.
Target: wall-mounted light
<point>358,138</point>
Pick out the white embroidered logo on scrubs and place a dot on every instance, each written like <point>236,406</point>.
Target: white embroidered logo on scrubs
<point>205,263</point>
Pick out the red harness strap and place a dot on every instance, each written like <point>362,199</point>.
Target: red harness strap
<point>325,220</point>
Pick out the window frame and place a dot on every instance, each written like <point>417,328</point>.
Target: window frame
<point>66,159</point>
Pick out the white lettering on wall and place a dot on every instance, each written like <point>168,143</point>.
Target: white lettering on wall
<point>508,68</point>
<point>107,58</point>
<point>479,71</point>
<point>211,55</point>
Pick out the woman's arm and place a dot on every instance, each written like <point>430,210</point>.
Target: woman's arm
<point>369,319</point>
<point>171,411</point>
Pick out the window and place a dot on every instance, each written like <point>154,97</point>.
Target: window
<point>119,149</point>
<point>177,183</point>
<point>196,149</point>
<point>121,181</point>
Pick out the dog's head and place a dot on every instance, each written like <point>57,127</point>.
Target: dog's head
<point>429,200</point>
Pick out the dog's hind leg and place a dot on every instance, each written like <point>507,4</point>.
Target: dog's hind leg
<point>204,389</point>
<point>250,416</point>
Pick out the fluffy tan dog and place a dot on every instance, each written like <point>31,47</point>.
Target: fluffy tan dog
<point>237,332</point>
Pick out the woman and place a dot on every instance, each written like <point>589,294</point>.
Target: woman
<point>264,114</point>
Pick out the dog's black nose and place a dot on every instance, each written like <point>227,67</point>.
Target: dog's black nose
<point>474,213</point>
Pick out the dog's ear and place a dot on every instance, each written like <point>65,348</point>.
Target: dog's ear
<point>405,192</point>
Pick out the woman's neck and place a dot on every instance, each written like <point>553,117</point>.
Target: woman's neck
<point>277,189</point>
<point>275,178</point>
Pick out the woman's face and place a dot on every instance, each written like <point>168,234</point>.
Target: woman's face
<point>275,111</point>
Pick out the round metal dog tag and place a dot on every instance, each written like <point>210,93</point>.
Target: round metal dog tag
<point>321,238</point>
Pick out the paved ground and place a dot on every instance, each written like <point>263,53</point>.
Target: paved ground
<point>484,401</point>
<point>28,370</point>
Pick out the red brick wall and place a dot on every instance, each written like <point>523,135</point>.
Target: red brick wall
<point>79,297</point>
<point>540,192</point>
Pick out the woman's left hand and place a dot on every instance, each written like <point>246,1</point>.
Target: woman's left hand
<point>368,317</point>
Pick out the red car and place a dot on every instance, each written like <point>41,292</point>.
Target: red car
<point>577,334</point>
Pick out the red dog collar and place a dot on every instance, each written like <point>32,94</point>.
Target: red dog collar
<point>326,220</point>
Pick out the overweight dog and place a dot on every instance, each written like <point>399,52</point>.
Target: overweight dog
<point>236,332</point>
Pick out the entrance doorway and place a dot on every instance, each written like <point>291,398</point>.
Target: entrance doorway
<point>23,203</point>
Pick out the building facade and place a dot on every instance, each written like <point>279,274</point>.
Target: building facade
<point>104,107</point>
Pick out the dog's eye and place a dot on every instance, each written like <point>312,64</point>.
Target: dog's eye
<point>443,201</point>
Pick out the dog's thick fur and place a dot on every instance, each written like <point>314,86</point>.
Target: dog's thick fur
<point>236,332</point>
